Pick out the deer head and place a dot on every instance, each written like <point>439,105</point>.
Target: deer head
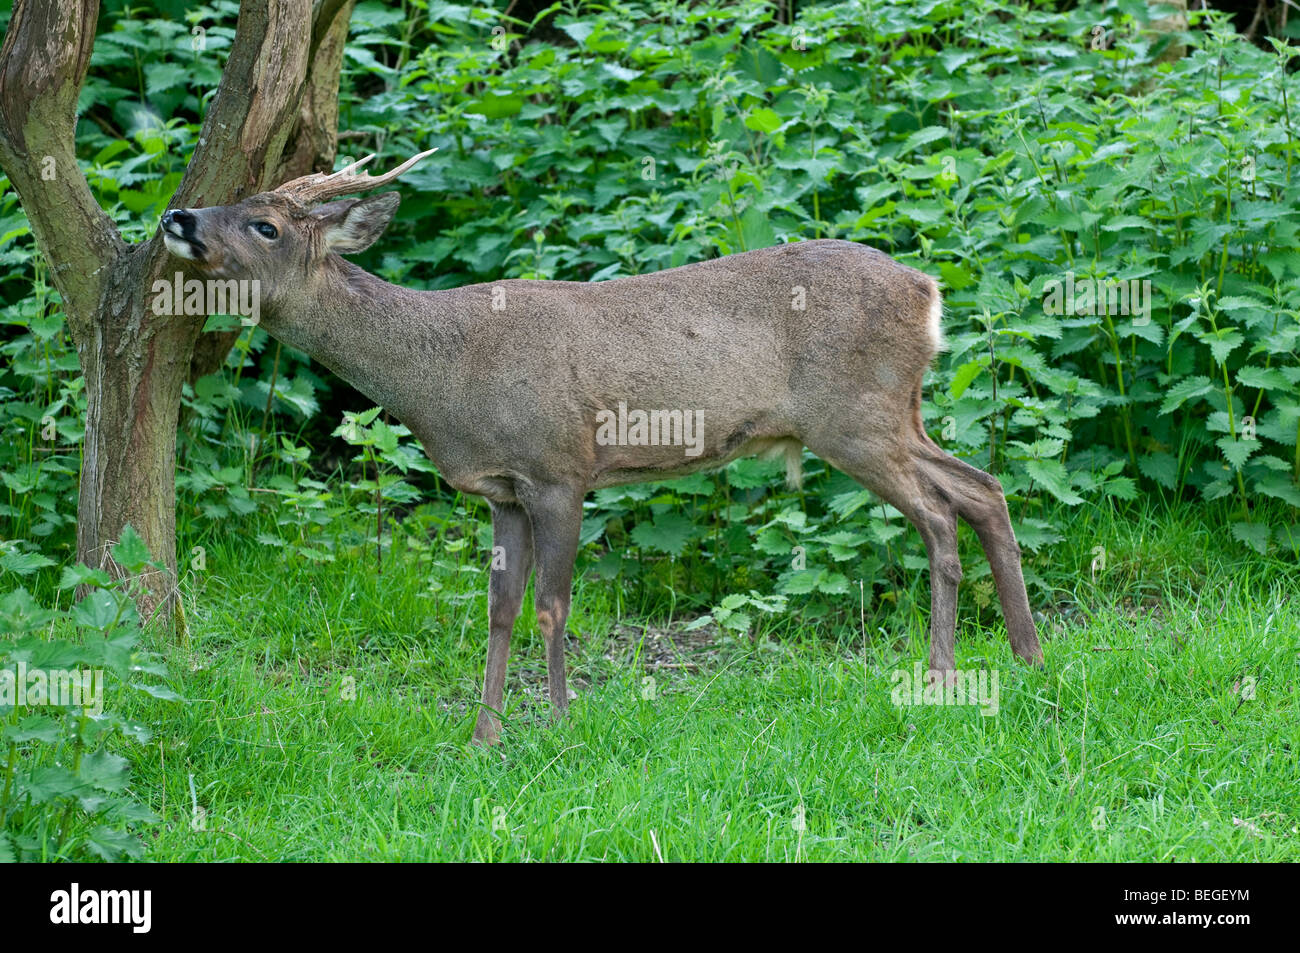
<point>283,236</point>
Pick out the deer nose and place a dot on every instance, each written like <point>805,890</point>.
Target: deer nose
<point>181,218</point>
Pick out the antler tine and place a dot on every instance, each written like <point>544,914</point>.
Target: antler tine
<point>351,169</point>
<point>319,186</point>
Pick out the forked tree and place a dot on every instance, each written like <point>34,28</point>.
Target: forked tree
<point>273,117</point>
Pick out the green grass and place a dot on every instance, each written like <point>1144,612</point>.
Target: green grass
<point>1138,741</point>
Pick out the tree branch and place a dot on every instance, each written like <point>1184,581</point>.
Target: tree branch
<point>314,140</point>
<point>253,112</point>
<point>43,63</point>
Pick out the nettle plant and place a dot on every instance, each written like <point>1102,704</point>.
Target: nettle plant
<point>999,152</point>
<point>1187,190</point>
<point>64,787</point>
<point>41,419</point>
<point>382,453</point>
<point>1002,154</point>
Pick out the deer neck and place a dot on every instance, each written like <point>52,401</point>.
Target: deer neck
<point>389,342</point>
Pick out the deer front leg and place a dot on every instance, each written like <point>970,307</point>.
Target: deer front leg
<point>556,514</point>
<point>512,559</point>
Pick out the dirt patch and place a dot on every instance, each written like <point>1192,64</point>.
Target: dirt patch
<point>667,653</point>
<point>663,649</point>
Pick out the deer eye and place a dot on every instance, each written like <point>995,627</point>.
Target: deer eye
<point>265,229</point>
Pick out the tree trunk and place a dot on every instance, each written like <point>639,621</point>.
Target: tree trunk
<point>134,371</point>
<point>135,361</point>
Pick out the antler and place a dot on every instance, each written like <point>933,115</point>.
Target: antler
<point>319,186</point>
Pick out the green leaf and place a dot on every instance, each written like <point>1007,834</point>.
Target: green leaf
<point>737,622</point>
<point>844,504</point>
<point>1121,488</point>
<point>668,533</point>
<point>1236,451</point>
<point>1184,391</point>
<point>34,728</point>
<point>620,72</point>
<point>24,564</point>
<point>158,691</point>
<point>798,583</point>
<point>1279,486</point>
<point>1033,533</point>
<point>1222,343</point>
<point>19,612</point>
<point>764,120</point>
<point>163,76</point>
<point>756,230</point>
<point>750,472</point>
<point>1242,303</point>
<point>97,610</point>
<point>50,783</point>
<point>578,32</point>
<point>496,107</point>
<point>1264,378</point>
<point>842,545</point>
<point>772,542</point>
<point>130,552</point>
<point>794,518</point>
<point>832,583</point>
<point>1160,467</point>
<point>1052,476</point>
<point>963,378</point>
<point>83,575</point>
<point>112,845</point>
<point>105,771</point>
<point>593,528</point>
<point>920,138</point>
<point>1254,535</point>
<point>366,59</point>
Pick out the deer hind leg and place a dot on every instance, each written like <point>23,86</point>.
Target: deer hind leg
<point>981,503</point>
<point>891,470</point>
<point>512,560</point>
<point>556,515</point>
<point>902,465</point>
<point>931,511</point>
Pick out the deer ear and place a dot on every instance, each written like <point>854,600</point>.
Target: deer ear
<point>354,225</point>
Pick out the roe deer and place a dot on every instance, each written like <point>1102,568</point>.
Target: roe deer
<point>511,387</point>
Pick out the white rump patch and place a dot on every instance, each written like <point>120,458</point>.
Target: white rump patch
<point>936,320</point>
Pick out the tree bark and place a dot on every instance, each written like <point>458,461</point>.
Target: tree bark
<point>134,371</point>
<point>135,361</point>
